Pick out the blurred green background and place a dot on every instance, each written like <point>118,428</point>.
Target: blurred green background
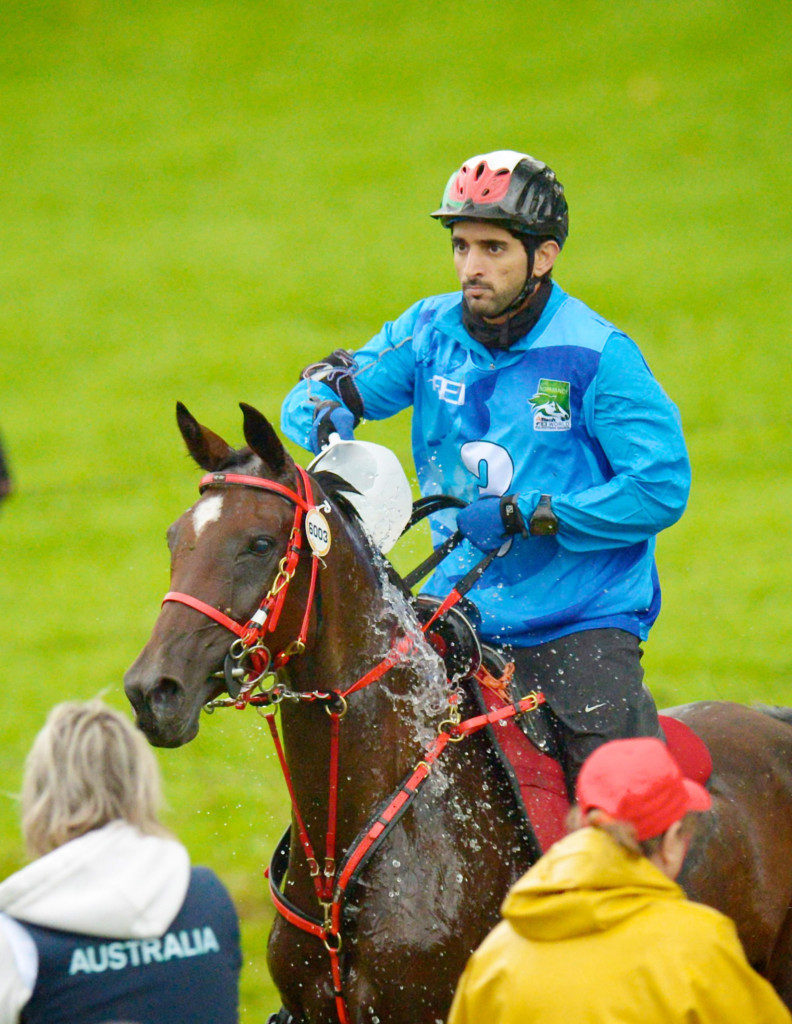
<point>197,197</point>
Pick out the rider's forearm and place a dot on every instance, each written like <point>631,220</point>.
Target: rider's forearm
<point>299,406</point>
<point>380,381</point>
<point>630,508</point>
<point>384,371</point>
<point>626,510</point>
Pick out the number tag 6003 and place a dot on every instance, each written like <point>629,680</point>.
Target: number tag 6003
<point>317,531</point>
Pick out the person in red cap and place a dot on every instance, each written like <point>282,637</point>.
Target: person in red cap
<point>598,930</point>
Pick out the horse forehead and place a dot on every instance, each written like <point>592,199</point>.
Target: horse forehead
<point>206,511</point>
<point>237,509</point>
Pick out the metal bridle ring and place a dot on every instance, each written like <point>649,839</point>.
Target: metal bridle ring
<point>238,649</point>
<point>451,723</point>
<point>332,706</point>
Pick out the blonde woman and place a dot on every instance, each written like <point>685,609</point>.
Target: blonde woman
<point>109,921</point>
<point>598,930</point>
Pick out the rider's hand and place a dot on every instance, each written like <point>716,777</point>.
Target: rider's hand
<point>491,520</point>
<point>330,418</point>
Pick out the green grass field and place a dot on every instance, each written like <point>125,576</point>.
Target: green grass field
<point>198,198</point>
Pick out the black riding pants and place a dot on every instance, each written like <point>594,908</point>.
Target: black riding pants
<point>593,683</point>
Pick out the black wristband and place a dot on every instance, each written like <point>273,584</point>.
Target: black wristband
<point>347,391</point>
<point>324,424</point>
<point>513,519</point>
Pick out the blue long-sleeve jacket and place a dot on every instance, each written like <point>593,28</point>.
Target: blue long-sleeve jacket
<point>570,410</point>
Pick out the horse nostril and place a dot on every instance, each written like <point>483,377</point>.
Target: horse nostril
<point>166,695</point>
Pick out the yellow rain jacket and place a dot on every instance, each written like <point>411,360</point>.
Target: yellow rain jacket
<point>594,936</point>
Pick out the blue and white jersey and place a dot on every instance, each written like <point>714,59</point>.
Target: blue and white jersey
<point>570,410</point>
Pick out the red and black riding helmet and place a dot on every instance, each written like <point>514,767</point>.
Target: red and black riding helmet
<point>514,189</point>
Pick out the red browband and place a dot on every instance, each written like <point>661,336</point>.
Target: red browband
<point>241,480</point>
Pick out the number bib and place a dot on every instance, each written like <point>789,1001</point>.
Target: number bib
<point>317,531</point>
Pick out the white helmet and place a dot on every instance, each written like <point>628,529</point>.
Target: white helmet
<point>381,497</point>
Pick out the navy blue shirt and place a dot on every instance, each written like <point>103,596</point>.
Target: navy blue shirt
<point>189,974</point>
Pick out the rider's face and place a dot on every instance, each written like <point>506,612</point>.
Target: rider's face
<point>491,265</point>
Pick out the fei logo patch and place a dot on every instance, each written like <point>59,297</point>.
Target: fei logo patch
<point>551,409</point>
<point>450,391</point>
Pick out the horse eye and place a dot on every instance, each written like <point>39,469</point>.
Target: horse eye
<point>260,545</point>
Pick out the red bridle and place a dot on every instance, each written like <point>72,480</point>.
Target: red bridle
<point>249,647</point>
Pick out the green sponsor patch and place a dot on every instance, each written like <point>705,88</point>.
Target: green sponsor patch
<point>552,391</point>
<point>551,406</point>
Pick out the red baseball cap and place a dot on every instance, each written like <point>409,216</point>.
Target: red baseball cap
<point>638,781</point>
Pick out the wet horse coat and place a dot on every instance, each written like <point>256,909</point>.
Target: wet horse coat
<point>433,889</point>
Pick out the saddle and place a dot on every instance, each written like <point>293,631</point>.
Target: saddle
<point>526,744</point>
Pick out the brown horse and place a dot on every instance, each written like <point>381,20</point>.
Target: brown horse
<point>432,889</point>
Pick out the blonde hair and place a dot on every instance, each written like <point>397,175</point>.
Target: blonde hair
<point>622,831</point>
<point>88,766</point>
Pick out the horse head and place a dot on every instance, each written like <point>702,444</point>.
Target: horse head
<point>226,551</point>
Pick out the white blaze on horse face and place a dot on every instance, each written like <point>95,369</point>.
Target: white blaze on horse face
<point>207,511</point>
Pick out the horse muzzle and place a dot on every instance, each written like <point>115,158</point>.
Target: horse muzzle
<point>166,713</point>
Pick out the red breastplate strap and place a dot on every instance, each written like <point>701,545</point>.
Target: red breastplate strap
<point>334,888</point>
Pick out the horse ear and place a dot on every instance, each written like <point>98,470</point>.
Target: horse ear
<point>263,440</point>
<point>209,451</point>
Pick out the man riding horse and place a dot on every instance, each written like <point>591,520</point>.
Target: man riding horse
<point>545,418</point>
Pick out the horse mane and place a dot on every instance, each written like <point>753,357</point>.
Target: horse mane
<point>781,714</point>
<point>336,488</point>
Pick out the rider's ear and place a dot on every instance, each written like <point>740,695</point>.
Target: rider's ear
<point>263,440</point>
<point>209,451</point>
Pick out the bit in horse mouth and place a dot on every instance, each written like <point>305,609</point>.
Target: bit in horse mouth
<point>215,691</point>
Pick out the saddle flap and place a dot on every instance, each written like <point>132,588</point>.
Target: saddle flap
<point>689,749</point>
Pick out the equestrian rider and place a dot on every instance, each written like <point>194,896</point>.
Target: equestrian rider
<point>546,419</point>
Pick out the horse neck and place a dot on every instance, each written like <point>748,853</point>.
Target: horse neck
<point>388,724</point>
